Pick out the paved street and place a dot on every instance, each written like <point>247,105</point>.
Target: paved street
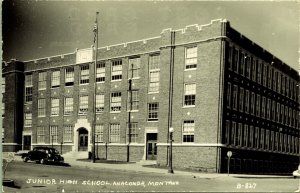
<point>32,177</point>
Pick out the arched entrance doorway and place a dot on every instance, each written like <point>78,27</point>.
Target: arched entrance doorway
<point>82,139</point>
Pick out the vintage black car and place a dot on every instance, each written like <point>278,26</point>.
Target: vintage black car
<point>43,155</point>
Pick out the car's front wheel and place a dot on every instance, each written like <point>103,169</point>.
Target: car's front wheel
<point>25,159</point>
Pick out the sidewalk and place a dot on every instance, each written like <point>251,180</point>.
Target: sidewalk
<point>138,167</point>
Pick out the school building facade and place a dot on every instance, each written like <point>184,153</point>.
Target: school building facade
<point>217,89</point>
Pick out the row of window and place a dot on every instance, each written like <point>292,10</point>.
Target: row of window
<point>116,73</point>
<point>261,72</point>
<point>115,104</point>
<point>243,135</point>
<point>114,133</point>
<point>244,100</point>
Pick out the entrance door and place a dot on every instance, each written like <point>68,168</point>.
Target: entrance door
<point>151,146</point>
<point>83,139</point>
<point>26,142</point>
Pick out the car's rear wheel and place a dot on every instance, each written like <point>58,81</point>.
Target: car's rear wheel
<point>42,161</point>
<point>25,159</point>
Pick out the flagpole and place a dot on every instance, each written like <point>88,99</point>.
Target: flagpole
<point>95,86</point>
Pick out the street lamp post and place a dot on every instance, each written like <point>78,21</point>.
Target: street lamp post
<point>170,170</point>
<point>52,140</point>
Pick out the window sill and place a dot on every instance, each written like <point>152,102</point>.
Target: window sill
<point>190,69</point>
<point>153,92</point>
<point>54,115</point>
<point>192,106</point>
<point>134,78</point>
<point>27,126</point>
<point>84,84</point>
<point>42,116</point>
<point>156,121</point>
<point>132,111</point>
<point>114,112</point>
<point>42,89</point>
<point>68,115</point>
<point>100,82</point>
<point>55,87</point>
<point>119,80</point>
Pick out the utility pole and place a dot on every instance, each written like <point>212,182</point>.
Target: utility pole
<point>129,113</point>
<point>95,88</point>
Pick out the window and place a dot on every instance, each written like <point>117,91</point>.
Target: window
<point>259,64</point>
<point>67,135</point>
<point>248,66</point>
<point>228,97</point>
<point>239,135</point>
<point>100,72</point>
<point>153,111</point>
<point>242,63</point>
<point>274,79</point>
<point>247,100</point>
<point>282,114</point>
<point>256,137</point>
<point>133,100</point>
<point>283,85</point>
<point>99,103</point>
<point>69,76</point>
<point>270,73</point>
<point>99,133</point>
<point>286,112</point>
<point>263,107</point>
<point>236,61</point>
<point>241,100</point>
<point>290,117</point>
<point>28,120</point>
<point>188,131</point>
<point>154,62</point>
<point>268,109</point>
<point>134,67</point>
<point>233,134</point>
<point>262,139</point>
<point>278,113</point>
<point>280,142</point>
<point>55,79</point>
<point>189,94</point>
<point>251,136</point>
<point>28,88</point>
<point>258,105</point>
<point>114,133</point>
<point>254,69</point>
<point>132,132</point>
<point>154,81</point>
<point>41,107</point>
<point>191,58</point>
<point>276,142</point>
<point>246,133</point>
<point>40,133</point>
<point>53,134</point>
<point>234,97</point>
<point>83,105</point>
<point>54,107</point>
<point>273,111</point>
<point>116,70</point>
<point>230,54</point>
<point>272,141</point>
<point>227,132</point>
<point>115,102</point>
<point>84,74</point>
<point>42,80</point>
<point>68,106</point>
<point>264,76</point>
<point>279,82</point>
<point>252,105</point>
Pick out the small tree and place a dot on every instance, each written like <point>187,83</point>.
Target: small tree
<point>6,161</point>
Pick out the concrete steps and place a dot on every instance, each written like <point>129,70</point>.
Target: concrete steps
<point>74,155</point>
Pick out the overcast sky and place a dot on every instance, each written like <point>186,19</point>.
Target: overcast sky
<point>36,29</point>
